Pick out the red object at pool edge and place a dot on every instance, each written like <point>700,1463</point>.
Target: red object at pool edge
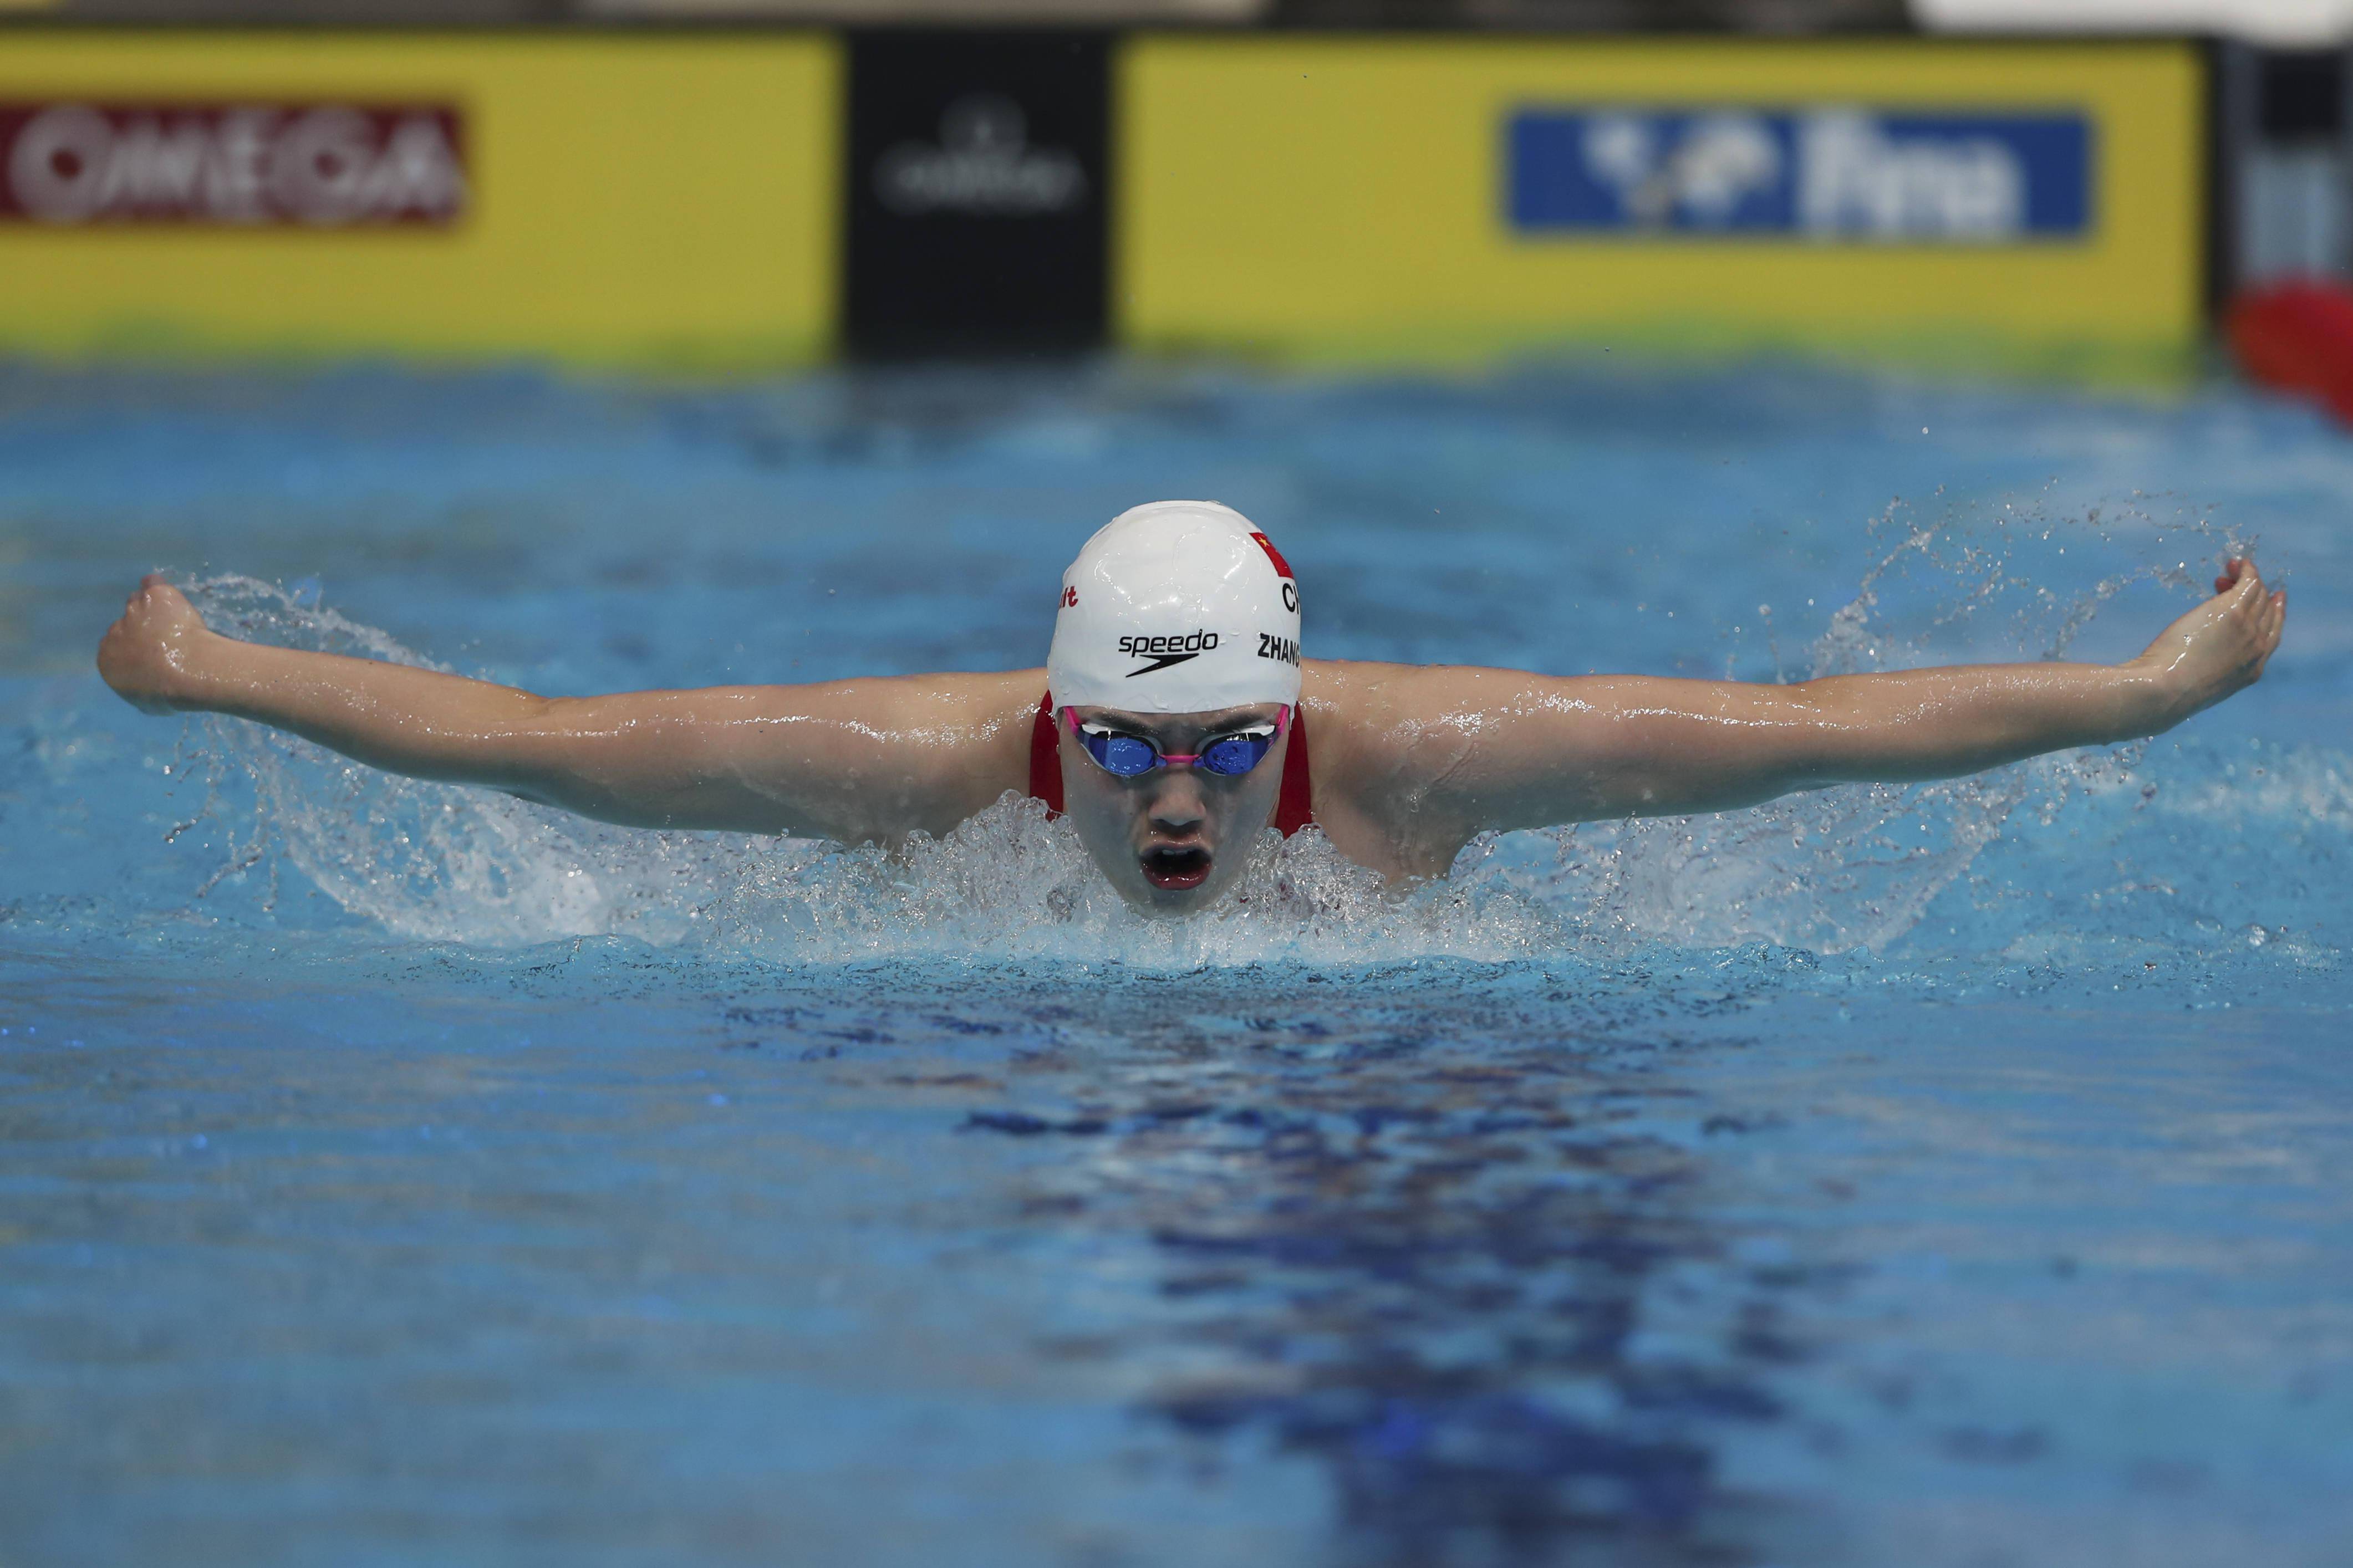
<point>2298,337</point>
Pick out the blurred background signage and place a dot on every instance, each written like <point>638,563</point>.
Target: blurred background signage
<point>1830,172</point>
<point>2279,22</point>
<point>1366,197</point>
<point>977,175</point>
<point>605,198</point>
<point>312,165</point>
<point>893,177</point>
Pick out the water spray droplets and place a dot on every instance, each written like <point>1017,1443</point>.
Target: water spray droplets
<point>1840,870</point>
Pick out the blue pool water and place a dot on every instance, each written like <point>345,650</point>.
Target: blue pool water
<point>1959,1174</point>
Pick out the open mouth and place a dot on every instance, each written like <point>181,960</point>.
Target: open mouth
<point>1178,868</point>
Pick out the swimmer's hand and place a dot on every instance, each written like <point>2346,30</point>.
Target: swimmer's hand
<point>149,656</point>
<point>2220,646</point>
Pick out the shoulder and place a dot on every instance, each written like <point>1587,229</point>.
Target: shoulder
<point>945,721</point>
<point>959,741</point>
<point>1367,713</point>
<point>1415,753</point>
<point>1384,740</point>
<point>994,710</point>
<point>1410,700</point>
<point>982,700</point>
<point>986,695</point>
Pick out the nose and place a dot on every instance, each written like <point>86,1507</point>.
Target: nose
<point>1177,805</point>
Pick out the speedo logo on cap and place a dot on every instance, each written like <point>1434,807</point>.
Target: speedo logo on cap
<point>1164,651</point>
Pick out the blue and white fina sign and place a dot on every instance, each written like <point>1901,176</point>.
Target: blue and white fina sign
<point>1828,174</point>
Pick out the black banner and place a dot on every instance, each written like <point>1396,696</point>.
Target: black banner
<point>978,220</point>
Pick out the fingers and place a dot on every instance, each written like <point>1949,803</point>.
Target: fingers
<point>2256,605</point>
<point>2239,600</point>
<point>2275,623</point>
<point>2238,573</point>
<point>155,595</point>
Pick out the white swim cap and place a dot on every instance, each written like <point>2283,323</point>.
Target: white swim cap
<point>1179,606</point>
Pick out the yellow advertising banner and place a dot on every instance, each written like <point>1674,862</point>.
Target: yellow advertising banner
<point>601,200</point>
<point>1433,198</point>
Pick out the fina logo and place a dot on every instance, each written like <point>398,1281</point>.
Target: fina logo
<point>1828,174</point>
<point>983,167</point>
<point>1717,161</point>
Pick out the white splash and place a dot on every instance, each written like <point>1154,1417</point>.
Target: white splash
<point>1837,869</point>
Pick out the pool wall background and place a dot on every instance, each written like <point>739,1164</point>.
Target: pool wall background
<point>758,198</point>
<point>623,200</point>
<point>1415,201</point>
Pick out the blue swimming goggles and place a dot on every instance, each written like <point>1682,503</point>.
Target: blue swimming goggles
<point>1129,756</point>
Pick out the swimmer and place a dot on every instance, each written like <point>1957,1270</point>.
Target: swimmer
<point>1176,721</point>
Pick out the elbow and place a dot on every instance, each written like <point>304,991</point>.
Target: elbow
<point>541,749</point>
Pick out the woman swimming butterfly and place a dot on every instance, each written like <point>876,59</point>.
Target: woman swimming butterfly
<point>1172,725</point>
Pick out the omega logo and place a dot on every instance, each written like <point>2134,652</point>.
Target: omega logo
<point>983,166</point>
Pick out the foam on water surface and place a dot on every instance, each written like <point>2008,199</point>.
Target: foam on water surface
<point>1833,871</point>
<point>1946,1174</point>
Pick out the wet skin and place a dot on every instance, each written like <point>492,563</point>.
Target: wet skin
<point>1411,760</point>
<point>1173,839</point>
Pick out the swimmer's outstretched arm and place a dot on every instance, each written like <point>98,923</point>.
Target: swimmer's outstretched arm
<point>853,760</point>
<point>1467,749</point>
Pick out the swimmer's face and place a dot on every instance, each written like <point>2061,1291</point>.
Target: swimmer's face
<point>1174,839</point>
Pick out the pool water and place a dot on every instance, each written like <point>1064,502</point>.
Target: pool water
<point>1952,1174</point>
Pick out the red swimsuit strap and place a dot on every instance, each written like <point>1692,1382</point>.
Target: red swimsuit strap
<point>1295,808</point>
<point>1045,759</point>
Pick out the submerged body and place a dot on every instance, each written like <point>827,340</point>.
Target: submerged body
<point>1410,762</point>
